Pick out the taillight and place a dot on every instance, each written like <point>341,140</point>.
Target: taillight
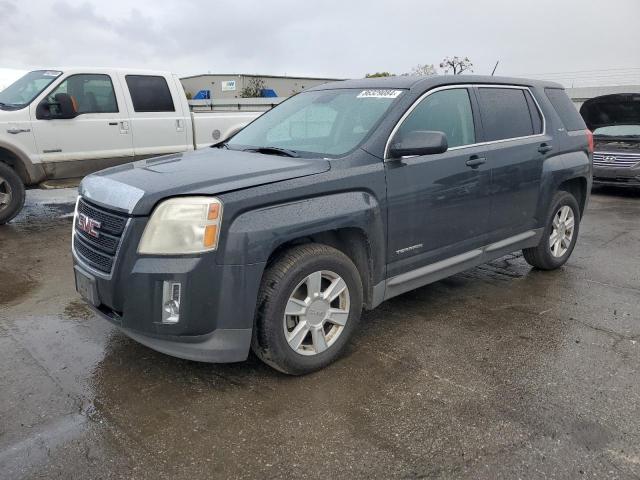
<point>590,140</point>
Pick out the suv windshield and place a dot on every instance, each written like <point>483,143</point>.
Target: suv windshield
<point>618,131</point>
<point>22,92</point>
<point>329,123</point>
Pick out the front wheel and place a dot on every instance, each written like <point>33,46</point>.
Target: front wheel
<point>559,236</point>
<point>309,305</point>
<point>11,193</point>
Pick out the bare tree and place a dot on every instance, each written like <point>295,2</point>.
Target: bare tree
<point>253,89</point>
<point>456,65</point>
<point>424,70</point>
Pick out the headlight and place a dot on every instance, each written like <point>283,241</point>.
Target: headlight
<point>183,225</point>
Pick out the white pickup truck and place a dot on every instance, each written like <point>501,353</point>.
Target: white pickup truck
<point>66,123</point>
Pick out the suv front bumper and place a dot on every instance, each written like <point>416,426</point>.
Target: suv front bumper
<point>616,176</point>
<point>223,345</point>
<point>217,304</point>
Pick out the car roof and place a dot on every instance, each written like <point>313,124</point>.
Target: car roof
<point>93,69</point>
<point>422,83</point>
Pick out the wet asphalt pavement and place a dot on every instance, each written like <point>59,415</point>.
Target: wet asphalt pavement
<point>499,372</point>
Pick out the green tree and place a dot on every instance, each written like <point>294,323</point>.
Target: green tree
<point>253,89</point>
<point>379,74</point>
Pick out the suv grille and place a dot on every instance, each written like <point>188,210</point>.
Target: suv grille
<point>617,159</point>
<point>98,251</point>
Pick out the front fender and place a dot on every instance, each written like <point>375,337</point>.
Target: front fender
<point>255,235</point>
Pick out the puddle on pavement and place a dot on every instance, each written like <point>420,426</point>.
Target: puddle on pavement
<point>14,287</point>
<point>77,310</point>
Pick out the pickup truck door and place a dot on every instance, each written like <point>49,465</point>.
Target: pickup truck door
<point>158,122</point>
<point>98,137</point>
<point>439,204</point>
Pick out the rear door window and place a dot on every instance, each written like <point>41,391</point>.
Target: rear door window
<point>448,111</point>
<point>150,93</point>
<point>505,113</point>
<point>565,108</point>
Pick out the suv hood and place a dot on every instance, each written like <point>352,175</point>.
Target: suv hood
<point>611,110</point>
<point>136,187</point>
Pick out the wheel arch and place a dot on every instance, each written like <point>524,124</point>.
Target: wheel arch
<point>569,172</point>
<point>20,162</point>
<point>351,222</point>
<point>351,241</point>
<point>578,188</point>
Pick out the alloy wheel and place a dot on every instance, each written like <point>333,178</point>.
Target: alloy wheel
<point>316,313</point>
<point>562,231</point>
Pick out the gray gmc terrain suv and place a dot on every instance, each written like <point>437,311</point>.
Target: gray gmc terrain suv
<point>336,200</point>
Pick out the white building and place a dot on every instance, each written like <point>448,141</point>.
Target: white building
<point>581,94</point>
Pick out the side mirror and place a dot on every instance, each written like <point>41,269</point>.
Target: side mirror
<point>419,142</point>
<point>63,107</point>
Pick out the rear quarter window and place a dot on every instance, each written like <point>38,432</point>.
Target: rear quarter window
<point>565,109</point>
<point>505,113</point>
<point>150,93</point>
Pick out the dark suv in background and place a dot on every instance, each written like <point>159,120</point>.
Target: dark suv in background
<point>615,123</point>
<point>339,198</point>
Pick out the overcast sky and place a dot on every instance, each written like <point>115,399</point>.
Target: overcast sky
<point>332,38</point>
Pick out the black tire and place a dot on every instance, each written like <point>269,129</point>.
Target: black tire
<point>9,178</point>
<point>278,283</point>
<point>541,256</point>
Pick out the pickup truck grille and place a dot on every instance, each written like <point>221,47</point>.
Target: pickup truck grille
<point>98,247</point>
<point>615,159</point>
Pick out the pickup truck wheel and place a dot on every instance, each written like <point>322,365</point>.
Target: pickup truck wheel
<point>309,305</point>
<point>11,193</point>
<point>559,236</point>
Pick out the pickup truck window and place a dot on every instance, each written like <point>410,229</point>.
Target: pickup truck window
<point>93,93</point>
<point>150,93</point>
<point>505,113</point>
<point>329,123</point>
<point>447,111</point>
<point>22,92</point>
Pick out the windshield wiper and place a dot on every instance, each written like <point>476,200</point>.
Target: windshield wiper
<point>274,151</point>
<point>9,105</point>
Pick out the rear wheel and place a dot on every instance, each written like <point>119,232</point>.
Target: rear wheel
<point>559,236</point>
<point>309,305</point>
<point>11,193</point>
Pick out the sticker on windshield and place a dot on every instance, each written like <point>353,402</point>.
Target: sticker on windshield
<point>378,93</point>
<point>51,73</point>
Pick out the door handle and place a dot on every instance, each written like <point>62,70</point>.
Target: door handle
<point>544,148</point>
<point>475,161</point>
<point>113,124</point>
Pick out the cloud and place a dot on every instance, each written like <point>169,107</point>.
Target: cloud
<point>323,38</point>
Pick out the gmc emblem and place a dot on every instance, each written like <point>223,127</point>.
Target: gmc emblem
<point>88,225</point>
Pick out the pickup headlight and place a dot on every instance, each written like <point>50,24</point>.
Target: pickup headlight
<point>183,225</point>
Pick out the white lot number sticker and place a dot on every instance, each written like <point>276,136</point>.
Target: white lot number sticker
<point>378,93</point>
<point>51,73</point>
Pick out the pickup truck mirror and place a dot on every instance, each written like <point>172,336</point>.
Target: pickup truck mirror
<point>63,107</point>
<point>418,142</point>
